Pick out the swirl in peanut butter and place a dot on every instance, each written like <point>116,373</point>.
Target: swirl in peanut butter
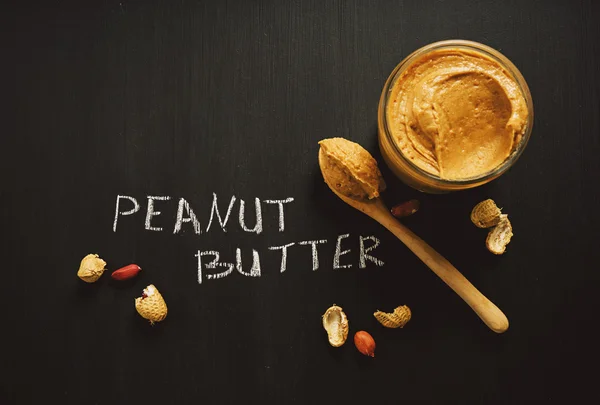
<point>456,114</point>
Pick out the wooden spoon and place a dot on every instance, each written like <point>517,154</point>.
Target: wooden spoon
<point>489,313</point>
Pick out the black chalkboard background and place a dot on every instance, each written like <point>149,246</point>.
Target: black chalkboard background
<point>186,99</point>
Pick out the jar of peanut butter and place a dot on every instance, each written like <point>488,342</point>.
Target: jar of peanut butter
<point>453,115</point>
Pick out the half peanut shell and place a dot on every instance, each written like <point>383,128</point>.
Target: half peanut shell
<point>335,323</point>
<point>499,236</point>
<point>398,319</point>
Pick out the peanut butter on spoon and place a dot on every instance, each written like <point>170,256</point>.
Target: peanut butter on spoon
<point>352,174</point>
<point>349,169</point>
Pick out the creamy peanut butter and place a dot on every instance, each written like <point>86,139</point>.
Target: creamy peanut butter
<point>456,114</point>
<point>350,169</point>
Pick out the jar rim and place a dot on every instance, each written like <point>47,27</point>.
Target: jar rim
<point>472,46</point>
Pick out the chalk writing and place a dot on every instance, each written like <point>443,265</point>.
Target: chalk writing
<point>283,254</point>
<point>136,208</point>
<point>212,265</point>
<point>281,214</point>
<point>215,211</point>
<point>259,224</point>
<point>364,256</point>
<point>150,212</point>
<point>183,204</point>
<point>254,270</point>
<point>315,253</point>
<point>209,263</point>
<point>339,253</point>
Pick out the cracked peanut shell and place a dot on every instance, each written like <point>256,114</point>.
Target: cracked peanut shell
<point>335,323</point>
<point>397,319</point>
<point>499,236</point>
<point>151,305</point>
<point>486,214</point>
<point>91,268</point>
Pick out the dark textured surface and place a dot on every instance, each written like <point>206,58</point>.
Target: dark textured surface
<point>189,98</point>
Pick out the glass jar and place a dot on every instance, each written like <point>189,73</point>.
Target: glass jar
<point>408,171</point>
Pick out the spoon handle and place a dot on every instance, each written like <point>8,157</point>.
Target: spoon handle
<point>489,313</point>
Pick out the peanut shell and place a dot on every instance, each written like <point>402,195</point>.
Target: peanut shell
<point>499,236</point>
<point>485,214</point>
<point>397,319</point>
<point>151,305</point>
<point>91,268</point>
<point>335,323</point>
